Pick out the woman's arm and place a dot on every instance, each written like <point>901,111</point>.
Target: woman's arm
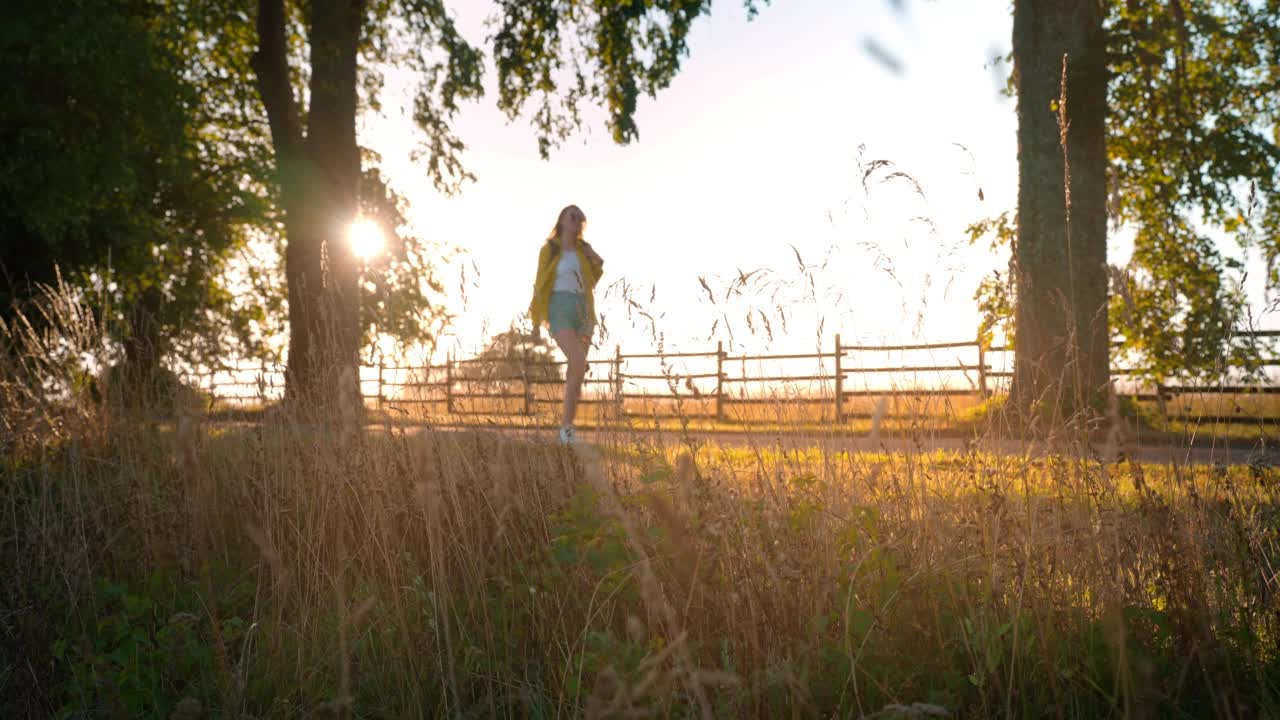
<point>592,254</point>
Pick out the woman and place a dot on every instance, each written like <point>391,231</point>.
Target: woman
<point>568,270</point>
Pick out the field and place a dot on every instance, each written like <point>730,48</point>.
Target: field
<point>279,570</point>
<point>166,564</point>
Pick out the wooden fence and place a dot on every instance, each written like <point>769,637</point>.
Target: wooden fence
<point>513,383</point>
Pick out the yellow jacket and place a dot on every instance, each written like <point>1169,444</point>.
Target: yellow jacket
<point>545,281</point>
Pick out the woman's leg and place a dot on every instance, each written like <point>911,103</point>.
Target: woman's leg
<point>575,352</point>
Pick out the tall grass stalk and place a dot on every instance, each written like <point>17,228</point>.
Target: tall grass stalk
<point>175,568</point>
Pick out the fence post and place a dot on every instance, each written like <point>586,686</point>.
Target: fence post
<point>528,388</point>
<point>262,380</point>
<point>839,383</point>
<point>448,384</point>
<point>617,382</point>
<point>381,363</point>
<point>719,381</point>
<point>982,369</point>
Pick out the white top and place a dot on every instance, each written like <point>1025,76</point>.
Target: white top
<point>568,273</point>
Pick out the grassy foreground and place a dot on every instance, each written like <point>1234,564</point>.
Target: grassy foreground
<point>277,571</point>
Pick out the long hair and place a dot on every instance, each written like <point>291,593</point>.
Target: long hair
<point>555,230</point>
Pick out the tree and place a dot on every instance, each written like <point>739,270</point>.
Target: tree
<point>318,173</point>
<point>113,176</point>
<point>509,355</point>
<point>604,52</point>
<point>1192,157</point>
<point>1195,100</point>
<point>1059,66</point>
<point>564,52</point>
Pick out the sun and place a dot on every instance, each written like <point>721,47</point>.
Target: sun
<point>367,240</point>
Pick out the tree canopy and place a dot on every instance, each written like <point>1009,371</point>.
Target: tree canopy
<point>116,172</point>
<point>1195,102</point>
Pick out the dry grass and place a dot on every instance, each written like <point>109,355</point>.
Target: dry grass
<point>283,569</point>
<point>278,571</point>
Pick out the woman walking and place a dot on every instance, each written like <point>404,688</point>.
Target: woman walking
<point>568,270</point>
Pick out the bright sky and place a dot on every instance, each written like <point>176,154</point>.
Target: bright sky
<point>754,148</point>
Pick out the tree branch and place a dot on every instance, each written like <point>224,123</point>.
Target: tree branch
<point>271,66</point>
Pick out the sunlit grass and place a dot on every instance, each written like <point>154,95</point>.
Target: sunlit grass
<point>425,573</point>
<point>285,567</point>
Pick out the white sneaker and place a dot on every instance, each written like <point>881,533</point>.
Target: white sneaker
<point>568,435</point>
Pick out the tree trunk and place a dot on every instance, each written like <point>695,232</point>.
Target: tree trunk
<point>319,177</point>
<point>1062,337</point>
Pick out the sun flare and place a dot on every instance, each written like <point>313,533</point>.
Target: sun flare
<point>367,240</point>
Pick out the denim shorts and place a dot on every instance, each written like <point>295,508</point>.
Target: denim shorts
<point>568,311</point>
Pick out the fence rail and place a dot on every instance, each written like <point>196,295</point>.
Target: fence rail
<point>518,378</point>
